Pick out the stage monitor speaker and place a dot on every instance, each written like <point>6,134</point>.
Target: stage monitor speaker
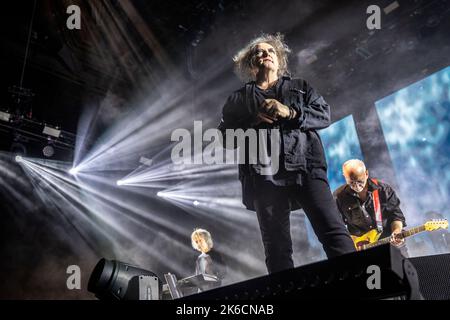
<point>378,273</point>
<point>434,276</point>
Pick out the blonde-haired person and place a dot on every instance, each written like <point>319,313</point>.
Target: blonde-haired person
<point>209,261</point>
<point>201,240</point>
<point>272,100</point>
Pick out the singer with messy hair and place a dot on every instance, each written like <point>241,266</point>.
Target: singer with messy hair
<point>272,100</point>
<point>245,62</point>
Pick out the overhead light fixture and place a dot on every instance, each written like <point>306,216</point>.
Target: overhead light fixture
<point>18,149</point>
<point>5,116</point>
<point>48,151</point>
<point>120,182</point>
<point>115,280</point>
<point>146,161</point>
<point>53,132</point>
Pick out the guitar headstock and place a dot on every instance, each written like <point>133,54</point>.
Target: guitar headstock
<point>436,224</point>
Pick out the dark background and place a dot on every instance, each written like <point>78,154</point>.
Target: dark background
<point>128,51</point>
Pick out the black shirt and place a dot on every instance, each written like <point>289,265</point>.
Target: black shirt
<point>282,177</point>
<point>359,216</point>
<point>214,264</point>
<point>301,147</point>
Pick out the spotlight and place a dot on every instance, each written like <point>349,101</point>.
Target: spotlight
<point>196,203</point>
<point>51,131</point>
<point>74,171</point>
<point>5,116</point>
<point>18,148</point>
<point>115,280</point>
<point>160,194</point>
<point>19,159</point>
<point>145,161</point>
<point>120,182</point>
<point>48,151</point>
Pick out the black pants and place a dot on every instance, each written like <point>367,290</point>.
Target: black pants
<point>273,208</point>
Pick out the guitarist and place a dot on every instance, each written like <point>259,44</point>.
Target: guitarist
<point>367,204</point>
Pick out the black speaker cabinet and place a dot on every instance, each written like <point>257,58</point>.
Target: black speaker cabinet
<point>434,276</point>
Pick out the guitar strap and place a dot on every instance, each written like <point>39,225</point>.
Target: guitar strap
<point>377,208</point>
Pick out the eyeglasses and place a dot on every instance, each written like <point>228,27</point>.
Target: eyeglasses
<point>355,181</point>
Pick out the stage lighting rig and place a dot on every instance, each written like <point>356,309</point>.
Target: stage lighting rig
<point>48,151</point>
<point>146,161</point>
<point>22,99</point>
<point>52,132</point>
<point>5,116</point>
<point>22,135</point>
<point>18,147</point>
<point>115,280</point>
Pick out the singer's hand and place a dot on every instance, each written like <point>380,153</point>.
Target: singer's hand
<point>263,118</point>
<point>275,109</point>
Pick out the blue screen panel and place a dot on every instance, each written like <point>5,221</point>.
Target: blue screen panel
<point>341,143</point>
<point>416,127</point>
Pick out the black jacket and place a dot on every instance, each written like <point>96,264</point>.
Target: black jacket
<point>301,147</point>
<point>354,217</point>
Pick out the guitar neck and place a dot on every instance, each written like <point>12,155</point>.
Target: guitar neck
<point>405,234</point>
<point>413,231</point>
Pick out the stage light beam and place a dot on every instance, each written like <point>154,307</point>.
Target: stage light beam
<point>74,171</point>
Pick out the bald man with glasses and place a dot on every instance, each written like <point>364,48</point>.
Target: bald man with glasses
<point>367,204</point>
